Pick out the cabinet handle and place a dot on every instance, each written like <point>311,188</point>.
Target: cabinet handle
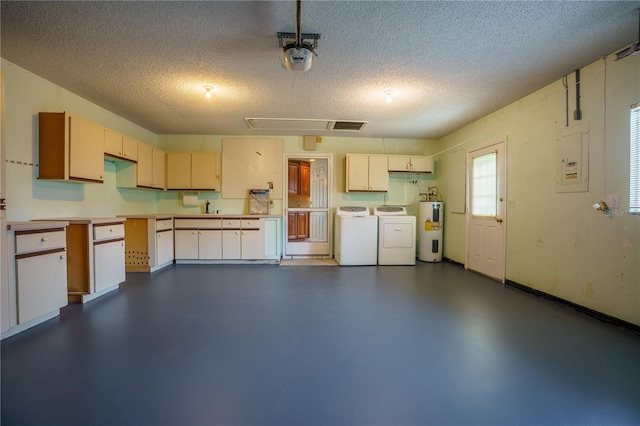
<point>110,229</point>
<point>193,233</point>
<point>43,239</point>
<point>200,233</point>
<point>61,256</point>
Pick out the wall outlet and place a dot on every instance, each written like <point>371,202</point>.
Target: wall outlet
<point>614,201</point>
<point>512,202</point>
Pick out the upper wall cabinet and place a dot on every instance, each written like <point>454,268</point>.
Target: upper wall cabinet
<point>151,167</point>
<point>410,164</point>
<point>191,170</point>
<point>120,146</point>
<point>147,173</point>
<point>70,148</point>
<point>366,173</point>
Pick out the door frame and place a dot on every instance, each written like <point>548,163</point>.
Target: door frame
<point>307,248</point>
<point>502,204</point>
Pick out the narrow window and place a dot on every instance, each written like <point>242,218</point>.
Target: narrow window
<point>634,166</point>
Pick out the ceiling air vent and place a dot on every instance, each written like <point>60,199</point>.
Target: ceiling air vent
<point>354,126</point>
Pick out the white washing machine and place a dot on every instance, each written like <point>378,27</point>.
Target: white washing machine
<point>356,236</point>
<point>396,236</point>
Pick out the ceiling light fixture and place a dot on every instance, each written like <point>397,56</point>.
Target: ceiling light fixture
<point>388,99</point>
<point>207,90</point>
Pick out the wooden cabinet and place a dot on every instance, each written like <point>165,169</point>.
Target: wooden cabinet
<point>298,225</point>
<point>119,146</point>
<point>191,170</point>
<point>70,148</point>
<point>36,284</point>
<point>410,164</point>
<point>299,177</point>
<point>293,177</point>
<point>366,173</point>
<point>148,243</point>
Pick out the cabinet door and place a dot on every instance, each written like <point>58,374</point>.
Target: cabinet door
<point>158,169</point>
<point>113,143</point>
<point>129,148</point>
<point>203,170</point>
<point>271,239</point>
<point>42,285</point>
<point>186,243</point>
<point>86,150</point>
<point>108,259</point>
<point>292,226</point>
<point>293,177</point>
<point>210,244</point>
<point>144,172</point>
<point>164,244</point>
<point>422,164</point>
<point>357,173</point>
<point>378,174</point>
<point>304,187</point>
<point>178,171</point>
<point>303,225</point>
<point>399,163</point>
<point>252,244</point>
<point>231,245</point>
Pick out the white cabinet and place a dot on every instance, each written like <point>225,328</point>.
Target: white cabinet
<point>272,238</point>
<point>120,146</point>
<point>36,287</point>
<point>70,148</point>
<point>96,263</point>
<point>410,164</point>
<point>109,264</point>
<point>366,173</point>
<point>191,170</point>
<point>217,238</point>
<point>151,167</point>
<point>198,239</point>
<point>148,243</point>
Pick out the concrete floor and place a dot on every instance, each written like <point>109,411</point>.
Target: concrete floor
<point>266,345</point>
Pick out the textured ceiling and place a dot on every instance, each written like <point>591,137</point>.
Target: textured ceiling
<point>448,63</point>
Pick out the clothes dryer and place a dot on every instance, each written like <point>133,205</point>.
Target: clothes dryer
<point>356,236</point>
<point>396,236</point>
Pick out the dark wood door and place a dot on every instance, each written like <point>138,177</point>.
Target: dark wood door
<point>292,226</point>
<point>303,225</point>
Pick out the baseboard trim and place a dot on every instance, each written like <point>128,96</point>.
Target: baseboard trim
<point>582,309</point>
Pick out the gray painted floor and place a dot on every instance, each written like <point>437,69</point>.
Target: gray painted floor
<point>265,345</point>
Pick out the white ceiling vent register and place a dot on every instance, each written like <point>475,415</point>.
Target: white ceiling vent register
<point>304,124</point>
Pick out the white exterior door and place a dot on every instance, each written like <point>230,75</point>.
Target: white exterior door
<point>486,217</point>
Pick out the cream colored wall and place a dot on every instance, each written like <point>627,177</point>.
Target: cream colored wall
<point>403,190</point>
<point>556,242</point>
<point>28,198</point>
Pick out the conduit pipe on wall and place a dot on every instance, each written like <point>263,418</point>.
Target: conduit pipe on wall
<point>577,114</point>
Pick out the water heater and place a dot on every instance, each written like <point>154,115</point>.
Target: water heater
<point>430,231</point>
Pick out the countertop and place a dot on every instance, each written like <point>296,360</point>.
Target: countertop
<point>87,220</point>
<point>198,216</point>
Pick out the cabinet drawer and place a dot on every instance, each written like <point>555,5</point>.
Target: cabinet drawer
<point>250,223</point>
<point>108,232</point>
<point>164,224</point>
<point>198,223</point>
<point>39,241</point>
<point>231,223</point>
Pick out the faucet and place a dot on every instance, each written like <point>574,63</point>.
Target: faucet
<point>206,206</point>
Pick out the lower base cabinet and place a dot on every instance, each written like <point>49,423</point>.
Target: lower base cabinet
<point>35,285</point>
<point>41,284</point>
<point>109,264</point>
<point>148,243</point>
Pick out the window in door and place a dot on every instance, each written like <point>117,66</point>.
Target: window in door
<point>634,166</point>
<point>485,185</point>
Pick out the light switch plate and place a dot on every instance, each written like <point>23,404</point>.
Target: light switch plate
<point>614,201</point>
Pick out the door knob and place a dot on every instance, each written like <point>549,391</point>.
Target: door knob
<point>499,219</point>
